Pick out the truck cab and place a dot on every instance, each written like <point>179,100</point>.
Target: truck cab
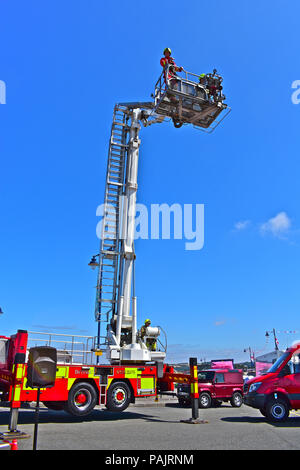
<point>277,391</point>
<point>215,386</point>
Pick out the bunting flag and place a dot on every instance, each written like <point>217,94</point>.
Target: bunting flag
<point>288,331</point>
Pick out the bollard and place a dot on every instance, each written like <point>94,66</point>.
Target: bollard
<point>14,444</point>
<point>10,438</point>
<point>194,387</point>
<point>194,394</point>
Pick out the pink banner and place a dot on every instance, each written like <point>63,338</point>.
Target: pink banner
<point>261,367</point>
<point>227,364</point>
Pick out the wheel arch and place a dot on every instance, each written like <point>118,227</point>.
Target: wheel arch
<point>237,389</point>
<point>204,390</point>
<point>278,394</point>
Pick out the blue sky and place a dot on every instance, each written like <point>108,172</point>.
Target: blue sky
<point>65,65</point>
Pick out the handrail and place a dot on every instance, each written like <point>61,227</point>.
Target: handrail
<point>72,346</point>
<point>163,82</point>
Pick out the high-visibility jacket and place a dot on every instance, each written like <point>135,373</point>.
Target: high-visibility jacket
<point>150,342</point>
<point>164,61</point>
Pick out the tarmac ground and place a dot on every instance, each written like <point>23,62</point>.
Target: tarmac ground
<point>149,425</point>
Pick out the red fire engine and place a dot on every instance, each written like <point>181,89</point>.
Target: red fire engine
<point>79,387</point>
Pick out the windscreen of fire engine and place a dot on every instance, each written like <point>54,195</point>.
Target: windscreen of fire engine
<point>206,376</point>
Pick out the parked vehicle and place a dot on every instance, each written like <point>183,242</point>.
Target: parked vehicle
<point>277,391</point>
<point>215,386</point>
<point>80,383</point>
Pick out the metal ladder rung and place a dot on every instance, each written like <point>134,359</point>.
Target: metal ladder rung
<point>118,144</point>
<point>115,183</point>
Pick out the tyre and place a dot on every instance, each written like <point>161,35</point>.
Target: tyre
<point>182,402</point>
<point>277,410</point>
<point>204,400</point>
<point>54,405</point>
<point>236,400</point>
<point>81,400</point>
<point>118,396</point>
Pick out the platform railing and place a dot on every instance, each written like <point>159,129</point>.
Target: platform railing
<point>187,85</point>
<point>70,348</point>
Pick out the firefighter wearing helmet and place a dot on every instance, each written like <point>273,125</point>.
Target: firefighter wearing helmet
<point>168,60</point>
<point>150,342</point>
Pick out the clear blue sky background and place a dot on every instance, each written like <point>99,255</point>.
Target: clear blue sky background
<point>65,65</point>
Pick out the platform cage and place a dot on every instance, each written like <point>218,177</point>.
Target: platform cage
<point>71,349</point>
<point>190,99</point>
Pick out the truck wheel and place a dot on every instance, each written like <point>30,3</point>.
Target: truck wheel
<point>182,402</point>
<point>81,400</point>
<point>118,396</point>
<point>277,410</point>
<point>236,400</point>
<point>204,400</point>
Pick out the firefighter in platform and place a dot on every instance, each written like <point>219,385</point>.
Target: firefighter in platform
<point>150,342</point>
<point>203,79</point>
<point>170,74</point>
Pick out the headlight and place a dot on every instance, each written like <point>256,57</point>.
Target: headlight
<point>254,387</point>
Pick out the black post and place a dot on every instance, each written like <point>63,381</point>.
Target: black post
<point>194,387</point>
<point>37,411</point>
<point>193,379</point>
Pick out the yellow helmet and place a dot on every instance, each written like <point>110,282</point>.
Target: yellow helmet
<point>147,321</point>
<point>167,49</point>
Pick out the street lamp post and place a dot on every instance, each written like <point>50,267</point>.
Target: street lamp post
<point>251,354</point>
<point>275,339</point>
<point>94,264</point>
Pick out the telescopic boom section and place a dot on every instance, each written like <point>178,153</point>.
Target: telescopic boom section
<point>116,306</point>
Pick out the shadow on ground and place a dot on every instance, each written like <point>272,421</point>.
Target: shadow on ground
<point>27,416</point>
<point>292,422</point>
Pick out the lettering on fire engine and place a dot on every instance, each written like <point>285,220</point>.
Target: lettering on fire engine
<point>80,371</point>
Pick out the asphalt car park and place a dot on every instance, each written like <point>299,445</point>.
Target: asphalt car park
<point>157,426</point>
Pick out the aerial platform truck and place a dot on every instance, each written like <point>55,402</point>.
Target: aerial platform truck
<point>133,368</point>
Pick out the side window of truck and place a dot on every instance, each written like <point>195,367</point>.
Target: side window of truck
<point>296,363</point>
<point>219,378</point>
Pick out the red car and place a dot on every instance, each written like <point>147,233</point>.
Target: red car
<point>277,391</point>
<point>215,386</point>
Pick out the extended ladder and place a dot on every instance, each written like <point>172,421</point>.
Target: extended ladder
<point>108,281</point>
